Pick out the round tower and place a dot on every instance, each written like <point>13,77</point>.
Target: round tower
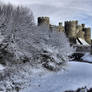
<point>87,35</point>
<point>60,24</point>
<point>43,20</point>
<point>60,27</point>
<point>70,28</point>
<point>83,25</point>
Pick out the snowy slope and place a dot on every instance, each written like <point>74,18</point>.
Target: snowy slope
<point>1,67</point>
<point>80,41</point>
<point>87,57</point>
<point>75,76</point>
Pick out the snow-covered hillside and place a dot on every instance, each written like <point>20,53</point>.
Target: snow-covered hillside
<point>87,57</point>
<point>81,41</point>
<point>2,67</point>
<point>37,79</point>
<point>75,75</point>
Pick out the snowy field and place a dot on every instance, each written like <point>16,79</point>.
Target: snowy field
<point>75,75</point>
<point>87,57</point>
<point>2,67</point>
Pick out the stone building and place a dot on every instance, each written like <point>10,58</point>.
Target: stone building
<point>71,28</point>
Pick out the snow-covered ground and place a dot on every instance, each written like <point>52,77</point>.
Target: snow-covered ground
<point>81,41</point>
<point>75,75</point>
<point>87,57</point>
<point>1,67</point>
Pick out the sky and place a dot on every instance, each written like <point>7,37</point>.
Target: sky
<point>59,10</point>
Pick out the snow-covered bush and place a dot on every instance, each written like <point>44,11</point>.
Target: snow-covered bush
<point>16,23</point>
<point>53,48</point>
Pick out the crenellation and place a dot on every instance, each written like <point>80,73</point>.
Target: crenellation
<point>60,27</point>
<point>43,20</point>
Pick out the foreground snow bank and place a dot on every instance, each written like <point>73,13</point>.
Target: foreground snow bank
<point>75,76</point>
<point>87,57</point>
<point>1,67</point>
<point>17,77</point>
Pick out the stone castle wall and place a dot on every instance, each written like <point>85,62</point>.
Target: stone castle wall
<point>60,27</point>
<point>72,29</point>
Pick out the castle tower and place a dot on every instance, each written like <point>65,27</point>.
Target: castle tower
<point>70,28</point>
<point>80,32</point>
<point>60,24</point>
<point>60,28</point>
<point>87,35</point>
<point>43,20</point>
<point>83,25</point>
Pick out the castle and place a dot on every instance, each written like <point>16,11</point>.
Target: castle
<point>71,28</point>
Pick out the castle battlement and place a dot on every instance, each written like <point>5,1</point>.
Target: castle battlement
<point>71,28</point>
<point>72,22</point>
<point>43,20</point>
<point>87,29</point>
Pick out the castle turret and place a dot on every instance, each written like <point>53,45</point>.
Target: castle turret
<point>70,28</point>
<point>83,25</point>
<point>43,20</point>
<point>60,24</point>
<point>87,35</point>
<point>60,28</point>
